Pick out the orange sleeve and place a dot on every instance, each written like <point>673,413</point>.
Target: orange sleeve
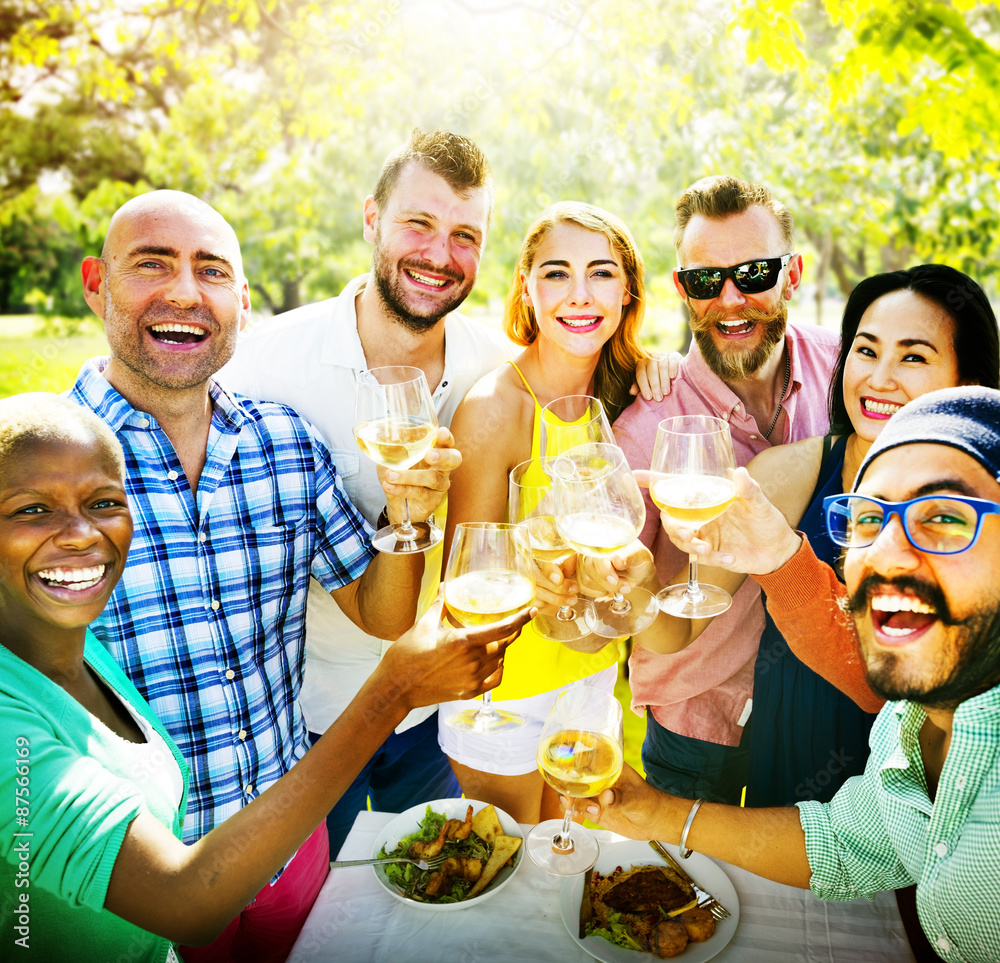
<point>803,598</point>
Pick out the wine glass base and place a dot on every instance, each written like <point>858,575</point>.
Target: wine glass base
<point>674,600</point>
<point>554,629</point>
<point>605,622</point>
<point>388,539</point>
<point>478,720</point>
<point>538,844</point>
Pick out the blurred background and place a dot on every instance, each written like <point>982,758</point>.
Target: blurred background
<point>875,123</point>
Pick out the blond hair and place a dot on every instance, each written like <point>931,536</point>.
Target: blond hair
<point>621,354</point>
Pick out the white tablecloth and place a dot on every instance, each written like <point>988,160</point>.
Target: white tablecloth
<point>356,921</point>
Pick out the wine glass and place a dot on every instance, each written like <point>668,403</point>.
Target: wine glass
<point>489,577</point>
<point>395,425</point>
<point>531,505</point>
<point>691,479</point>
<point>580,753</point>
<point>600,511</point>
<point>571,421</point>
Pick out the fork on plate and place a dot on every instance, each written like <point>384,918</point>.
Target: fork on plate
<point>705,899</point>
<point>422,864</point>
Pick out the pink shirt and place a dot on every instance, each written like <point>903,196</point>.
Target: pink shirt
<point>704,690</point>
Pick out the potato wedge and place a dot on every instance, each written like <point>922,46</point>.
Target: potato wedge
<point>503,848</point>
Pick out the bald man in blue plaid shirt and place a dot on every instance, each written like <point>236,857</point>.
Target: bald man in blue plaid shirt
<point>922,533</point>
<point>237,504</point>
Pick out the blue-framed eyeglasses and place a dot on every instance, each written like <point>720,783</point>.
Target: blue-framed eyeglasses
<point>751,277</point>
<point>938,524</point>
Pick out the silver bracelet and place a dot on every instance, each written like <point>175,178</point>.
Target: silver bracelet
<point>685,852</point>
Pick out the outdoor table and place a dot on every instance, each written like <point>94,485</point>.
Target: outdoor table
<point>355,919</point>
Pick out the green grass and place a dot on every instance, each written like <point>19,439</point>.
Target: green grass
<point>36,355</point>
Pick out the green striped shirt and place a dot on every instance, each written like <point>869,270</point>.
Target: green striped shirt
<point>881,830</point>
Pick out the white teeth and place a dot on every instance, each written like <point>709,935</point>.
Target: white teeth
<point>423,279</point>
<point>579,322</point>
<point>739,322</point>
<point>179,328</point>
<point>880,407</point>
<point>901,603</point>
<point>75,579</point>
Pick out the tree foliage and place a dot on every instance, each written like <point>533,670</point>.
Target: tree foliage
<point>874,123</point>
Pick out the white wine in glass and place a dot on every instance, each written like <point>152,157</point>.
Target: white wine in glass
<point>600,512</point>
<point>489,577</point>
<point>531,504</point>
<point>580,753</point>
<point>691,479</point>
<point>395,425</point>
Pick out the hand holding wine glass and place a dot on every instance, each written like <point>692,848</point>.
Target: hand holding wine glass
<point>580,753</point>
<point>395,425</point>
<point>691,480</point>
<point>600,511</point>
<point>489,577</point>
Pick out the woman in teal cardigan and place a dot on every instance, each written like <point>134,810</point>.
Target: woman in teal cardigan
<point>94,789</point>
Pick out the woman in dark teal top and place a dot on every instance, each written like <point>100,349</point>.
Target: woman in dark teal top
<point>90,855</point>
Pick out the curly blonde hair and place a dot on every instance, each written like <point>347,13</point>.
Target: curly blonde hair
<point>621,354</point>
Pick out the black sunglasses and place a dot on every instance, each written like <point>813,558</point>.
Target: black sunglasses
<point>752,277</point>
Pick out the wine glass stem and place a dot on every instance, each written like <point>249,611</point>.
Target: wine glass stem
<point>565,613</point>
<point>486,710</point>
<point>621,605</point>
<point>562,842</point>
<point>405,532</point>
<point>694,593</point>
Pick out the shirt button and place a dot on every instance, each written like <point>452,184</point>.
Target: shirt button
<point>753,437</point>
<point>943,944</point>
<point>960,782</point>
<point>215,605</point>
<point>241,735</point>
<point>202,537</point>
<point>230,674</point>
<point>941,849</point>
<point>248,788</point>
<point>143,422</point>
<point>172,475</point>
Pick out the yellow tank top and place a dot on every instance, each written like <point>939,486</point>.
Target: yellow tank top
<point>533,664</point>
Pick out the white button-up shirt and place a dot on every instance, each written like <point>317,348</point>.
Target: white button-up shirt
<point>310,359</point>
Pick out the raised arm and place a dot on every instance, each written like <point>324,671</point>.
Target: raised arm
<point>190,893</point>
<point>804,598</point>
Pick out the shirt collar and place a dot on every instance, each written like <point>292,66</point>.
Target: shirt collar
<point>718,393</point>
<point>93,390</point>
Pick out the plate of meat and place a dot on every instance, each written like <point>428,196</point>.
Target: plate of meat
<point>640,910</point>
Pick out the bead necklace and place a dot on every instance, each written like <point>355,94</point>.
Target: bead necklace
<point>784,388</point>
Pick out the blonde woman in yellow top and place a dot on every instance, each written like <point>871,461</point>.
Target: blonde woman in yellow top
<point>576,303</point>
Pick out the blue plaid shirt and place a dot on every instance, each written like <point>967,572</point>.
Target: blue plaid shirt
<point>208,620</point>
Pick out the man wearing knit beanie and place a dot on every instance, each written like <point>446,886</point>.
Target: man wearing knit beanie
<point>922,534</point>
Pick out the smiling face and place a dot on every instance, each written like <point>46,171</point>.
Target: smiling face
<point>171,292</point>
<point>576,287</point>
<point>929,624</point>
<point>904,347</point>
<point>65,531</point>
<point>737,332</point>
<point>427,245</point>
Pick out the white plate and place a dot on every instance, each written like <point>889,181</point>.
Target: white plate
<point>409,822</point>
<point>633,853</point>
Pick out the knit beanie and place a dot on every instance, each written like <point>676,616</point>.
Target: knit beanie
<point>966,418</point>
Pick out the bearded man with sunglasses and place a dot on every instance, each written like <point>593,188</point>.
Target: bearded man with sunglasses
<point>923,550</point>
<point>769,379</point>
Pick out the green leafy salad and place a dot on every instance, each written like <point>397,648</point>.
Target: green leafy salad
<point>414,882</point>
